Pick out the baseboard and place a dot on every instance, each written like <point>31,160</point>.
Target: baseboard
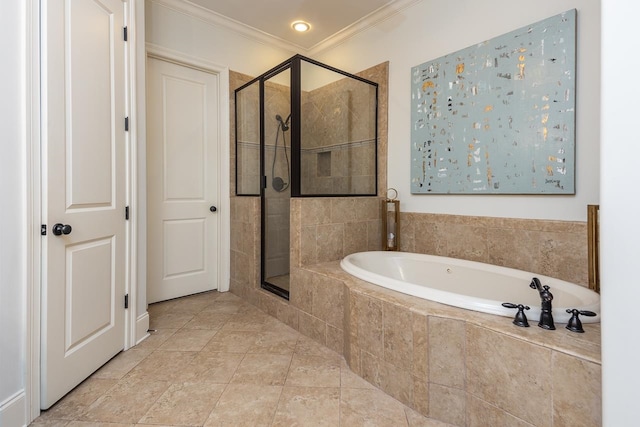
<point>142,327</point>
<point>14,410</point>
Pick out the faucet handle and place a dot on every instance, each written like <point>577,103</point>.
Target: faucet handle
<point>521,318</point>
<point>575,325</point>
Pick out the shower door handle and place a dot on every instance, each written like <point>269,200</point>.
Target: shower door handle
<point>213,209</point>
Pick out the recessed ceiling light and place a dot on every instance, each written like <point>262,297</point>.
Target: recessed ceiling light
<point>301,26</point>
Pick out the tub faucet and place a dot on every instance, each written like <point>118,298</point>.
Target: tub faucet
<point>546,318</point>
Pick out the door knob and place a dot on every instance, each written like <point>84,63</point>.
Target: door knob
<point>59,229</point>
<point>213,209</point>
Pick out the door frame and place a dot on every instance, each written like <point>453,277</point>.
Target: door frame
<point>224,204</point>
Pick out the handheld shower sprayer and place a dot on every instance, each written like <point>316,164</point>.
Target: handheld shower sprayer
<point>277,182</point>
<point>284,124</point>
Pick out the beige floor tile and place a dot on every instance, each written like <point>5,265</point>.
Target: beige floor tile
<point>89,424</point>
<point>208,320</point>
<point>249,321</point>
<point>217,360</point>
<point>212,367</point>
<point>245,405</point>
<point>126,402</point>
<point>275,342</point>
<point>162,366</point>
<point>416,419</point>
<point>264,369</point>
<point>308,406</point>
<point>349,379</point>
<point>188,340</point>
<point>232,341</point>
<point>313,371</point>
<point>77,402</point>
<point>184,404</point>
<point>120,365</point>
<point>43,422</point>
<point>169,320</point>
<point>371,408</point>
<point>229,306</point>
<point>155,339</point>
<point>310,347</point>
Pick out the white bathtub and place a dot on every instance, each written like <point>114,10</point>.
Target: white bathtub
<point>467,284</point>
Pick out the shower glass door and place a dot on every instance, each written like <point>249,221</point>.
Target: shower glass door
<point>276,194</point>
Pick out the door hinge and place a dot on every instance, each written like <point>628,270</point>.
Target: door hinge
<point>125,34</point>
<point>126,301</point>
<point>126,213</point>
<point>264,181</point>
<point>43,230</point>
<point>126,124</point>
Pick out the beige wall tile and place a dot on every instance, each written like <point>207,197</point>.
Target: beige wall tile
<point>315,211</point>
<point>398,383</point>
<point>482,414</point>
<point>577,391</point>
<point>312,327</point>
<point>447,352</point>
<point>328,299</point>
<point>447,404</point>
<point>335,339</point>
<point>554,248</point>
<point>356,238</point>
<point>308,245</point>
<point>330,242</point>
<point>301,293</point>
<point>343,209</point>
<point>366,323</point>
<point>501,369</point>
<point>420,346</point>
<point>398,336</point>
<point>420,395</point>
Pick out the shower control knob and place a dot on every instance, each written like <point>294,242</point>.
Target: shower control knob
<point>213,209</point>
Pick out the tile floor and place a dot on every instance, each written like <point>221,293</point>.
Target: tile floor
<point>216,360</point>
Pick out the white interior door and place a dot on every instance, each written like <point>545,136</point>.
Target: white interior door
<point>182,180</point>
<point>84,193</point>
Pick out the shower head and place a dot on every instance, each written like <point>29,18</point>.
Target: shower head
<point>284,124</point>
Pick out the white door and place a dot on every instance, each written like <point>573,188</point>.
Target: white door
<point>182,180</point>
<point>84,194</point>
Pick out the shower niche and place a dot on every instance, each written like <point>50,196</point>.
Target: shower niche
<point>303,129</point>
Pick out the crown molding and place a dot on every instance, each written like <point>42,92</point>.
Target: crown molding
<point>210,17</point>
<point>374,18</point>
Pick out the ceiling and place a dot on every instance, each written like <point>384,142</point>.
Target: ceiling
<point>274,17</point>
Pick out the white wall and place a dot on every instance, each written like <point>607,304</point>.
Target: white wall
<point>432,28</point>
<point>13,215</point>
<point>620,210</point>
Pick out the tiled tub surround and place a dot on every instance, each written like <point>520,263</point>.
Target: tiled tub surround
<point>454,365</point>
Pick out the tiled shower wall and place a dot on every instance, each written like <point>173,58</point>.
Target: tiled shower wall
<point>338,139</point>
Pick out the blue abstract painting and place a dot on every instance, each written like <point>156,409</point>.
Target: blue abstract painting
<point>498,117</point>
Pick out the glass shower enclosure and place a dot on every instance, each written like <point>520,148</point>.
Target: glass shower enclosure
<point>303,129</point>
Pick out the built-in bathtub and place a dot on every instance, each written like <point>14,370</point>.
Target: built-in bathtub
<point>467,284</point>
